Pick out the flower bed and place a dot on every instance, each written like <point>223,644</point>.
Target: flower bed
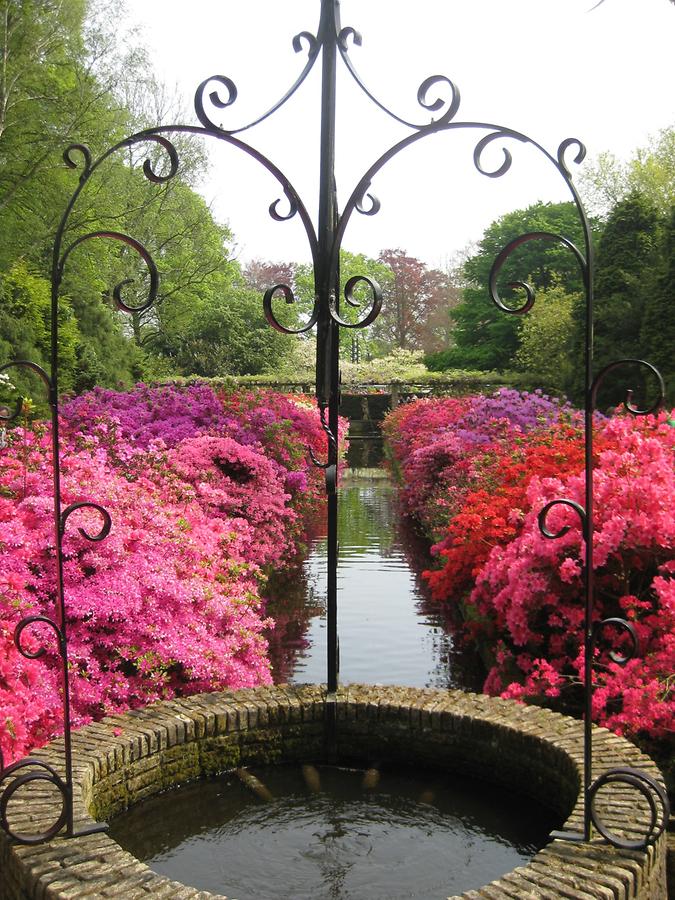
<point>475,472</point>
<point>207,493</point>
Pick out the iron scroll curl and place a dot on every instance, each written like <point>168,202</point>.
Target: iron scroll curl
<point>529,292</point>
<point>117,290</point>
<point>373,312</point>
<point>286,292</point>
<point>30,770</point>
<point>628,400</point>
<point>484,143</point>
<point>25,772</point>
<point>220,100</point>
<point>447,107</point>
<point>570,504</point>
<point>81,150</point>
<point>105,515</point>
<point>623,625</point>
<point>579,157</point>
<point>374,205</point>
<point>650,789</point>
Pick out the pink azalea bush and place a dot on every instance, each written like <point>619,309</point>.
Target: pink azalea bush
<point>169,602</point>
<point>475,484</point>
<point>532,590</point>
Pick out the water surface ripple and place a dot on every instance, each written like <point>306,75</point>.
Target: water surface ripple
<point>412,834</point>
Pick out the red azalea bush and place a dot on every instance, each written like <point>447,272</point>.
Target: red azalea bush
<point>521,593</point>
<point>491,509</point>
<point>169,602</point>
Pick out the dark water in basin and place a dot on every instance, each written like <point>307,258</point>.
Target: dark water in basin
<point>390,632</point>
<point>410,835</point>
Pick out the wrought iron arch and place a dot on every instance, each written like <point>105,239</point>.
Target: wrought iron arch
<point>332,43</point>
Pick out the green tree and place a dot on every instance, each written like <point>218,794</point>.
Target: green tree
<point>657,332</point>
<point>228,335</point>
<point>50,96</point>
<point>546,338</point>
<point>486,337</point>
<point>628,263</point>
<point>25,330</point>
<point>71,75</point>
<point>650,172</point>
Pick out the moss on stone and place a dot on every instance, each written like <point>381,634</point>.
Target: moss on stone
<point>219,754</point>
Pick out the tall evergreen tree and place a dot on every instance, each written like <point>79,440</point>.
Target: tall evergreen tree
<point>628,261</point>
<point>657,333</point>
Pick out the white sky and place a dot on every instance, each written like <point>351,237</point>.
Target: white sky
<point>552,69</point>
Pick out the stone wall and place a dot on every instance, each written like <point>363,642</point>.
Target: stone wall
<point>126,758</point>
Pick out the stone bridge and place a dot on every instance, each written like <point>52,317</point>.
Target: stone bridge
<point>366,404</point>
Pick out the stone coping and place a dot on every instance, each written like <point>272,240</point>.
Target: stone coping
<point>129,757</point>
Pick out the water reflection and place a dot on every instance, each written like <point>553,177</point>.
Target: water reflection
<point>416,834</point>
<point>390,632</point>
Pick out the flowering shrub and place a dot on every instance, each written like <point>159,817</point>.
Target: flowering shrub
<point>522,593</point>
<point>148,415</point>
<point>531,589</point>
<point>232,481</point>
<point>491,511</point>
<point>169,602</point>
<point>433,442</point>
<point>30,703</point>
<point>284,429</point>
<point>273,421</point>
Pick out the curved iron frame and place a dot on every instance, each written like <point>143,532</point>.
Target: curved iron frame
<point>331,41</point>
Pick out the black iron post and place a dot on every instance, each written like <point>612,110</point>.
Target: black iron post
<point>327,285</point>
<point>589,572</point>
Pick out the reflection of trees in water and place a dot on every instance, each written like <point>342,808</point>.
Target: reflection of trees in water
<point>457,664</point>
<point>366,518</point>
<point>369,524</point>
<point>365,453</point>
<point>292,602</point>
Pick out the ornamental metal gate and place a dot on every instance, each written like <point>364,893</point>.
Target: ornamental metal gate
<point>331,44</point>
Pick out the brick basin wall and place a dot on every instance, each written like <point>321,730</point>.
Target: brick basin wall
<point>126,758</point>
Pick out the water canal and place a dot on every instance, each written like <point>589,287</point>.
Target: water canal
<point>389,630</point>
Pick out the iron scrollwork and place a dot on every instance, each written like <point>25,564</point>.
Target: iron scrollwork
<point>634,779</point>
<point>27,771</point>
<point>439,97</point>
<point>24,772</point>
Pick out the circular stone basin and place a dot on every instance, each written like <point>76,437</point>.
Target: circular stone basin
<point>129,759</point>
<point>311,832</point>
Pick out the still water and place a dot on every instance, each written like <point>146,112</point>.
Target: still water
<point>327,832</point>
<point>389,630</point>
